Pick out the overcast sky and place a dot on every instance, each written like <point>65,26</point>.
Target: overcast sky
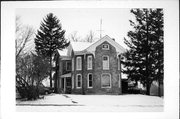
<point>115,21</point>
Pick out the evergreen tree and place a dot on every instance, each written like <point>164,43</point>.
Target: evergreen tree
<point>50,37</point>
<point>144,60</point>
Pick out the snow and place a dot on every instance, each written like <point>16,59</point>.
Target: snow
<point>80,46</point>
<point>93,103</point>
<point>89,47</point>
<point>63,52</point>
<point>76,46</point>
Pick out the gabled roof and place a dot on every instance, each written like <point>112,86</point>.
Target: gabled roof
<point>118,47</point>
<point>77,47</point>
<point>86,47</point>
<point>80,46</point>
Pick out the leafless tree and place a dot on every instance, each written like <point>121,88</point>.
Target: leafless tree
<point>24,35</point>
<point>74,37</point>
<point>90,37</point>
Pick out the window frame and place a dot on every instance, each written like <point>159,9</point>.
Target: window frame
<point>88,61</point>
<point>79,67</point>
<point>67,66</point>
<point>88,80</point>
<point>105,48</point>
<point>77,81</point>
<point>104,68</point>
<point>109,80</point>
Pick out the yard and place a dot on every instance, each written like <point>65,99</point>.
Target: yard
<point>92,103</point>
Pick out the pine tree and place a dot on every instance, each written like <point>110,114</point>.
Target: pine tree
<point>50,37</point>
<point>144,60</point>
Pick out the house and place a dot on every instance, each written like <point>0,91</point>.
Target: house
<point>89,68</point>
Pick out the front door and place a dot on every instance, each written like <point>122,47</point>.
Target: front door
<point>68,85</point>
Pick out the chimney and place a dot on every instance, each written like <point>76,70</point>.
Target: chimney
<point>113,39</point>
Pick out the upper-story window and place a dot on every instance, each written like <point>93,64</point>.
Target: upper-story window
<point>89,62</point>
<point>78,63</point>
<point>68,66</point>
<point>105,47</point>
<point>105,62</point>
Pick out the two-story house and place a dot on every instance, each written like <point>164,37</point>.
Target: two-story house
<point>89,68</point>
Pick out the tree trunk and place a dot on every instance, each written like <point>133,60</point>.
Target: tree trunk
<point>148,88</point>
<point>159,89</point>
<point>50,75</point>
<point>147,57</point>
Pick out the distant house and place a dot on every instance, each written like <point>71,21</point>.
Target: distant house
<point>89,68</point>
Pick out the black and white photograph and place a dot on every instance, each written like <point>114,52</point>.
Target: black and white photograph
<point>90,58</point>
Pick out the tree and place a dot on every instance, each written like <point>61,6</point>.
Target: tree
<point>144,59</point>
<point>50,37</point>
<point>24,34</point>
<point>90,37</point>
<point>73,37</point>
<point>30,71</point>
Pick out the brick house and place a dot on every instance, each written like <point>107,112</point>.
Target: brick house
<point>89,68</point>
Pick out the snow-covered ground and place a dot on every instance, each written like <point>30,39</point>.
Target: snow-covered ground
<point>93,103</point>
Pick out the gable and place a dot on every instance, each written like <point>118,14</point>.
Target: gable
<point>119,48</point>
<point>86,47</point>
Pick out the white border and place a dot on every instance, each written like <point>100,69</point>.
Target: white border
<point>171,76</point>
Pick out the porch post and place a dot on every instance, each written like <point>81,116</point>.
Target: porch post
<point>64,84</point>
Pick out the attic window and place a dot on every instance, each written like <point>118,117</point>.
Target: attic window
<point>105,47</point>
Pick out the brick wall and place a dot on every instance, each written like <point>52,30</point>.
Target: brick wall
<point>113,70</point>
<point>97,71</point>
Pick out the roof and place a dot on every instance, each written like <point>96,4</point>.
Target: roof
<point>80,46</point>
<point>118,47</point>
<point>86,47</point>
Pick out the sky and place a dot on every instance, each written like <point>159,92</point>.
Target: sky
<point>115,21</point>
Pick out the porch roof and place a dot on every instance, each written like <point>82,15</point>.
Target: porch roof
<point>66,75</point>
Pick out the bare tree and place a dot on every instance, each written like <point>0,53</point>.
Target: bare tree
<point>90,37</point>
<point>24,35</point>
<point>74,37</point>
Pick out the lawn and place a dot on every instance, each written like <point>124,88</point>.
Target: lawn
<point>92,103</point>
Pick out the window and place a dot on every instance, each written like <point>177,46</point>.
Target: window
<point>78,63</point>
<point>105,47</point>
<point>106,80</point>
<point>89,62</point>
<point>90,81</point>
<point>78,80</point>
<point>68,66</point>
<point>105,62</point>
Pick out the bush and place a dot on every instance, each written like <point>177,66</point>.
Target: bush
<point>31,92</point>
